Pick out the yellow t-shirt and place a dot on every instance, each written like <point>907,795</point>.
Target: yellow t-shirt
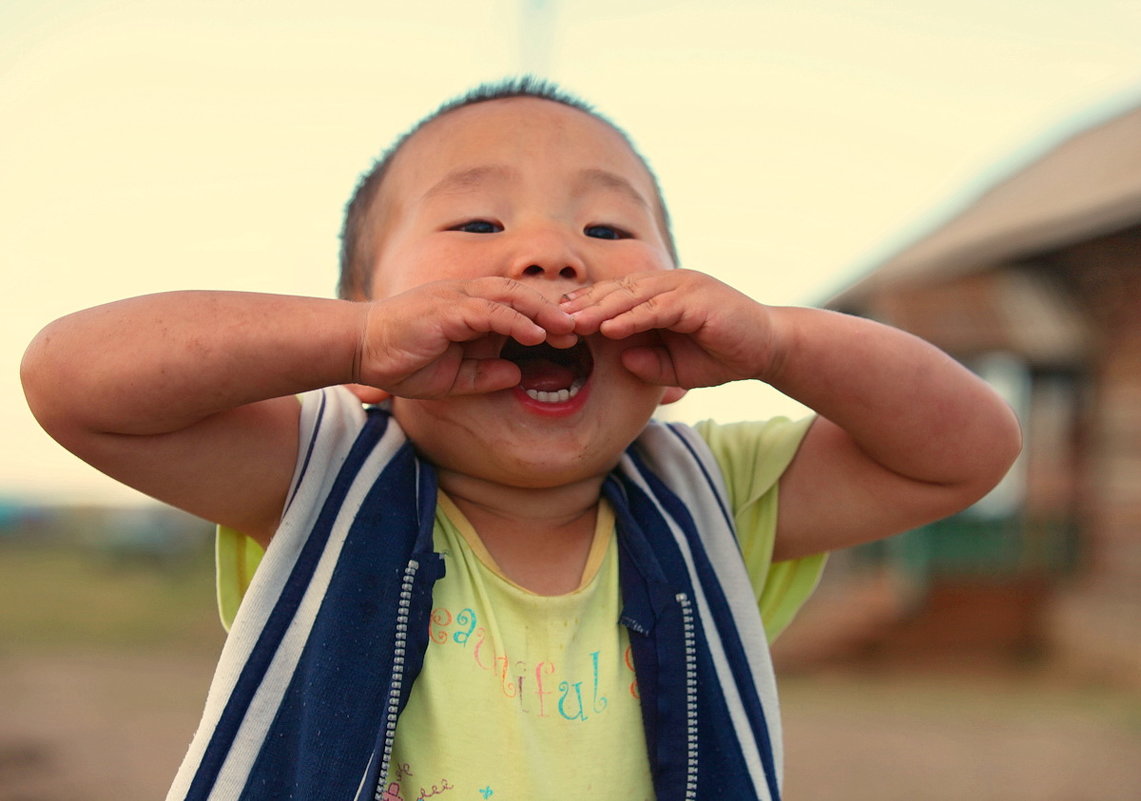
<point>528,697</point>
<point>520,691</point>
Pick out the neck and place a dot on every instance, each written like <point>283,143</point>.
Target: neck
<point>539,537</point>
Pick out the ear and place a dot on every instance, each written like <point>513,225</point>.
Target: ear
<point>673,395</point>
<point>368,395</point>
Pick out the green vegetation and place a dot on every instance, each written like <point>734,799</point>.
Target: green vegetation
<point>59,596</point>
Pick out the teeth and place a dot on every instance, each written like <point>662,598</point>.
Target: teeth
<point>558,396</point>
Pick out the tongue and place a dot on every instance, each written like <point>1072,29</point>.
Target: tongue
<point>545,376</point>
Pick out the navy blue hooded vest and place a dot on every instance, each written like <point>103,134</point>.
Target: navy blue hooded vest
<point>333,631</point>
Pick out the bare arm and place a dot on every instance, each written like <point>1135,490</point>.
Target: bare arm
<point>905,435</point>
<point>187,396</point>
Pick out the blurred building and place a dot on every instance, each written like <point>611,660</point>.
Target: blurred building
<point>1036,285</point>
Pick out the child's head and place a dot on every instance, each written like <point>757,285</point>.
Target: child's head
<point>517,182</point>
<point>373,201</point>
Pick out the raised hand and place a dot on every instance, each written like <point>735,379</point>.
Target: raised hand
<point>444,338</point>
<point>707,332</point>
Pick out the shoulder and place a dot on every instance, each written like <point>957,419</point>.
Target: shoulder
<point>342,443</point>
<point>752,456</point>
<point>332,420</point>
<point>741,461</point>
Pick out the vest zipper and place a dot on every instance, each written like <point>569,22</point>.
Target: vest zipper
<point>690,632</point>
<point>397,683</point>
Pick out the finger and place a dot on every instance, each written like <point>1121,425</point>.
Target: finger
<point>612,299</point>
<point>592,296</point>
<point>481,376</point>
<point>634,285</point>
<point>480,316</point>
<point>477,317</point>
<point>562,341</point>
<point>578,299</point>
<point>666,312</point>
<point>453,373</point>
<point>526,300</point>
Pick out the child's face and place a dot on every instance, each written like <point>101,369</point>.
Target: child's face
<point>546,194</point>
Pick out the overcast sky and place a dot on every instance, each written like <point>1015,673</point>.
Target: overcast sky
<point>156,145</point>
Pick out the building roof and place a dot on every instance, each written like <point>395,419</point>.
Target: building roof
<point>1014,311</point>
<point>1088,185</point>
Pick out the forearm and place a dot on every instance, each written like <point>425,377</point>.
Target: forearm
<point>905,404</point>
<point>905,434</point>
<point>160,363</point>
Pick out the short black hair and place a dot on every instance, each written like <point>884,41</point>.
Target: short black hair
<point>358,248</point>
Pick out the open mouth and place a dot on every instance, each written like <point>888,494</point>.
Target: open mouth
<point>550,375</point>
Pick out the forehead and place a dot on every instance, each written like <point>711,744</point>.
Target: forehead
<point>530,133</point>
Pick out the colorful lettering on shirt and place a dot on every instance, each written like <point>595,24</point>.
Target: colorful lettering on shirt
<point>519,693</point>
<point>529,681</point>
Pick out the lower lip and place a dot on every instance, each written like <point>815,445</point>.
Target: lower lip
<point>561,409</point>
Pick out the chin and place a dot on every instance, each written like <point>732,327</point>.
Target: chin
<point>544,473</point>
<point>495,438</point>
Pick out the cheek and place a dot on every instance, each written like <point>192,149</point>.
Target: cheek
<point>400,259</point>
<point>638,399</point>
<point>441,260</point>
<point>436,432</point>
<point>424,419</point>
<point>649,399</point>
<point>638,257</point>
<point>628,396</point>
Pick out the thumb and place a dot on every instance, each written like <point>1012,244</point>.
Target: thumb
<point>478,376</point>
<point>366,394</point>
<point>651,364</point>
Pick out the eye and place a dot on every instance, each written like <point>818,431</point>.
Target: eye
<point>478,227</point>
<point>605,232</point>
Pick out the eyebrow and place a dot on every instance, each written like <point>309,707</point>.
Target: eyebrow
<point>594,177</point>
<point>471,178</point>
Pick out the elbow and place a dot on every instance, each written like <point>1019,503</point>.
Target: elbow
<point>45,387</point>
<point>33,379</point>
<point>1007,445</point>
<point>995,456</point>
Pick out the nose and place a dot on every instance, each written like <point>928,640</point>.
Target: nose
<point>567,271</point>
<point>547,253</point>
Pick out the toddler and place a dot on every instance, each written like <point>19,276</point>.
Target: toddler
<point>486,572</point>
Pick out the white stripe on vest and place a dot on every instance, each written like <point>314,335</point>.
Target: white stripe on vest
<point>697,482</point>
<point>330,423</point>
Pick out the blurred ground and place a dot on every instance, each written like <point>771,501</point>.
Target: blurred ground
<point>96,726</point>
<point>104,665</point>
<point>987,735</point>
